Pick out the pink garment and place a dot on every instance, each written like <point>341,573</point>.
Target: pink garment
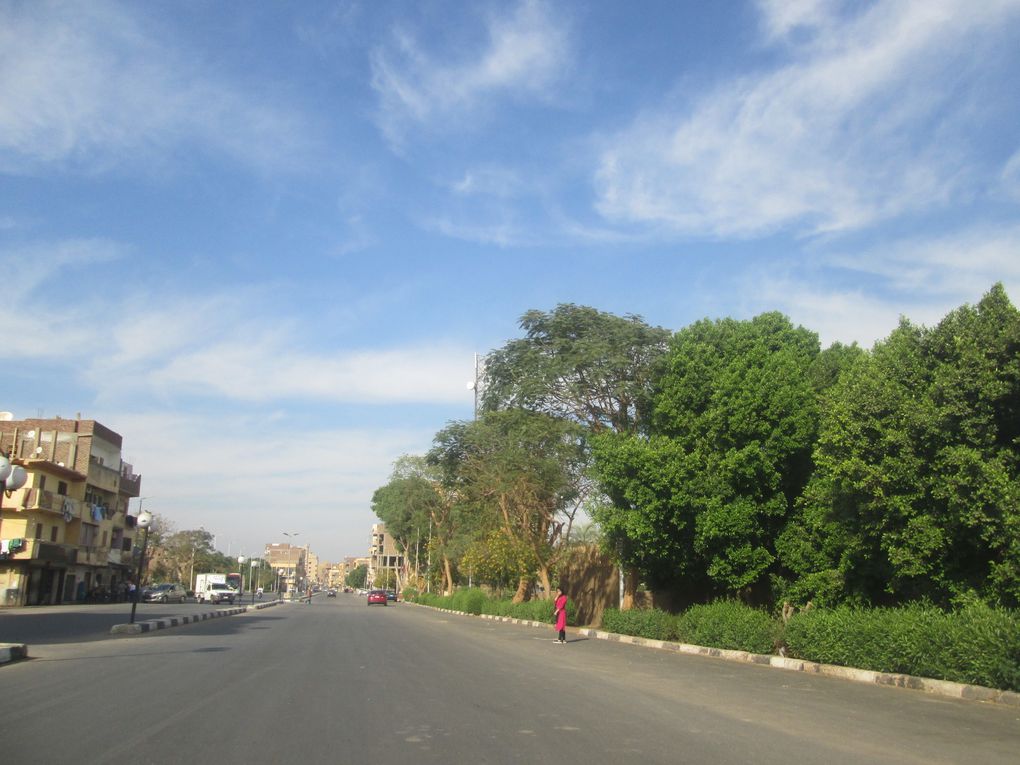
<point>561,612</point>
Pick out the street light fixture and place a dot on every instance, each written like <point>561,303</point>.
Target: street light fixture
<point>144,521</point>
<point>240,569</point>
<point>251,578</point>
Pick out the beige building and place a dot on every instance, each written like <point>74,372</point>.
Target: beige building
<point>288,563</point>
<point>66,535</point>
<point>384,558</point>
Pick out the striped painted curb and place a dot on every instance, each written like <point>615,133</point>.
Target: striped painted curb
<point>943,688</point>
<point>12,652</point>
<point>152,625</point>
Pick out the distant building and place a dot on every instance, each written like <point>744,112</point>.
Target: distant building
<point>288,563</point>
<point>384,558</point>
<point>66,536</point>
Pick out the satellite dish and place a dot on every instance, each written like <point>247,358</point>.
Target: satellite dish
<point>6,416</point>
<point>30,434</point>
<point>471,385</point>
<point>38,450</point>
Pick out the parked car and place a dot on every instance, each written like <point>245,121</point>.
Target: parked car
<point>377,596</point>
<point>331,594</point>
<point>391,595</point>
<point>164,593</point>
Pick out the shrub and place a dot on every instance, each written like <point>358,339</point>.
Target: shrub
<point>643,622</point>
<point>977,644</point>
<point>470,601</point>
<point>729,624</point>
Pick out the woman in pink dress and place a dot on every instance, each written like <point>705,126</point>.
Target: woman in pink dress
<point>561,615</point>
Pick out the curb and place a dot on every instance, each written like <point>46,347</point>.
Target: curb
<point>943,688</point>
<point>12,652</point>
<point>153,625</point>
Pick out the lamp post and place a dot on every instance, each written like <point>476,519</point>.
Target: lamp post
<point>279,577</point>
<point>240,569</point>
<point>144,522</point>
<point>12,478</point>
<point>251,578</point>
<point>291,535</point>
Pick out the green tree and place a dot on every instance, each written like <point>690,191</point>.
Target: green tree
<point>519,471</point>
<point>699,504</point>
<point>578,363</point>
<point>357,577</point>
<point>917,477</point>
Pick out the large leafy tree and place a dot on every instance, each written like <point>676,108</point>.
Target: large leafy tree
<point>917,488</point>
<point>418,504</point>
<point>698,505</point>
<point>579,363</point>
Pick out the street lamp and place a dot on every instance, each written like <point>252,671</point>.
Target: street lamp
<point>240,569</point>
<point>144,521</point>
<point>12,478</point>
<point>251,578</point>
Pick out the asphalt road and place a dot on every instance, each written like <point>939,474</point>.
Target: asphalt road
<point>339,682</point>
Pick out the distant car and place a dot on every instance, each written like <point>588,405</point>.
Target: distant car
<point>391,595</point>
<point>331,594</point>
<point>165,593</point>
<point>377,596</point>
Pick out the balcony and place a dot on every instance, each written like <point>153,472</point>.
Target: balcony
<point>51,552</point>
<point>103,477</point>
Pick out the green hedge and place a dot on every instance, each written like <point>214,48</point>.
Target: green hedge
<point>648,623</point>
<point>729,624</point>
<point>977,644</point>
<point>475,601</point>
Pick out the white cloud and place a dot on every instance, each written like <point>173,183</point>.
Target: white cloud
<point>247,479</point>
<point>852,130</point>
<point>526,54</point>
<point>89,86</point>
<point>922,278</point>
<point>1010,177</point>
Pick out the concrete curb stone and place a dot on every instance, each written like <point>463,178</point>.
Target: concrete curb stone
<point>153,625</point>
<point>12,652</point>
<point>944,688</point>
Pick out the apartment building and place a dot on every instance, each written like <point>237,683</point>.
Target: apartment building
<point>384,558</point>
<point>66,535</point>
<point>288,563</point>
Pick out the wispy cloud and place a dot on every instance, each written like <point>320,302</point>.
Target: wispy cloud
<point>860,295</point>
<point>287,476</point>
<point>89,86</point>
<point>221,345</point>
<point>526,52</point>
<point>850,131</point>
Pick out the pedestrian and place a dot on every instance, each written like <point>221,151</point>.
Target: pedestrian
<point>132,591</point>
<point>561,615</point>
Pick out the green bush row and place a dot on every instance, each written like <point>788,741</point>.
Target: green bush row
<point>723,624</point>
<point>976,644</point>
<point>475,601</point>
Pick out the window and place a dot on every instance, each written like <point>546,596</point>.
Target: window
<point>53,534</point>
<point>62,488</point>
<point>38,531</point>
<point>104,540</point>
<point>42,482</point>
<point>88,535</point>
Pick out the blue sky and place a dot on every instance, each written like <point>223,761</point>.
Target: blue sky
<point>263,241</point>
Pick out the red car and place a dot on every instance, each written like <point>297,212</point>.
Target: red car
<point>377,596</point>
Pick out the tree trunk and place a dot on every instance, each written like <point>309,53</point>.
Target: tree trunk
<point>522,590</point>
<point>448,575</point>
<point>543,578</point>
<point>630,580</point>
